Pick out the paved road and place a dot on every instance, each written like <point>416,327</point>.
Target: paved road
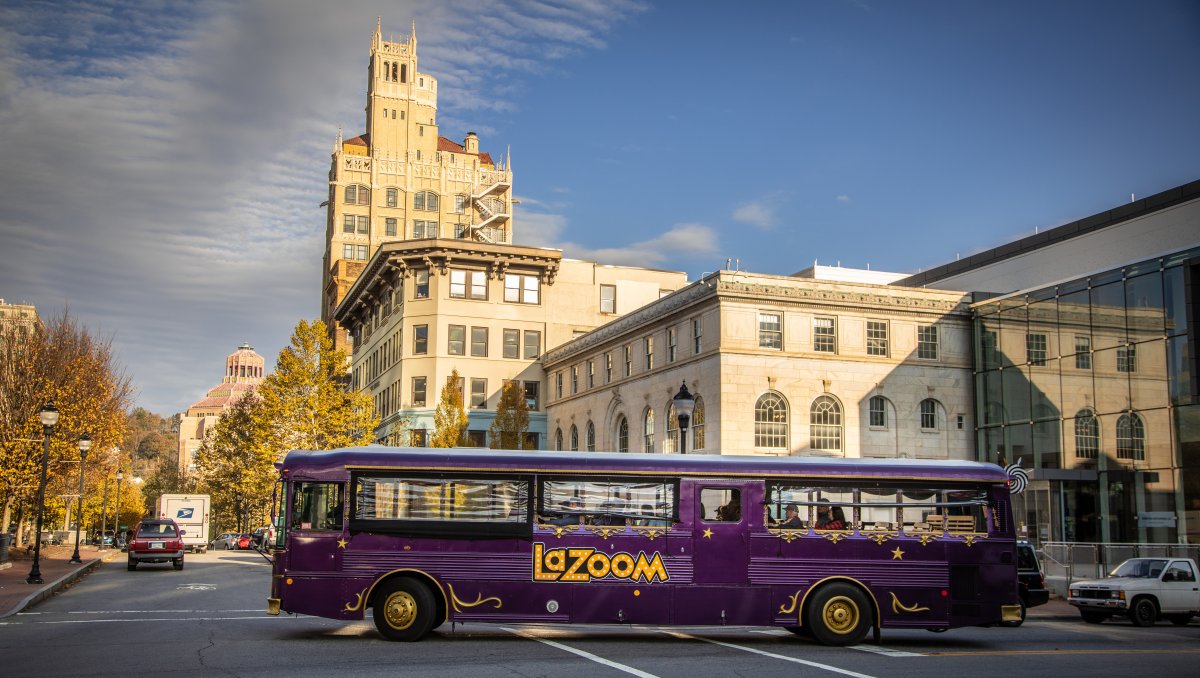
<point>209,619</point>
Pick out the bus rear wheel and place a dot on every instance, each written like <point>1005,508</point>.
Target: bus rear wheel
<point>839,614</point>
<point>404,610</point>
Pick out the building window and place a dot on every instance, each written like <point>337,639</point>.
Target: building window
<point>468,284</point>
<point>364,224</point>
<point>929,415</point>
<point>771,421</point>
<point>531,395</point>
<point>622,434</point>
<point>927,342</point>
<point>558,439</point>
<point>608,298</point>
<point>628,360</point>
<point>357,195</point>
<point>460,201</point>
<point>393,197</point>
<point>1035,348</point>
<point>362,252</point>
<point>479,342</point>
<point>347,251</point>
<point>348,222</point>
<point>421,284</point>
<point>695,336</point>
<point>389,226</point>
<point>1127,358</point>
<point>456,339</point>
<point>877,337</point>
<point>825,424</point>
<point>512,344</point>
<point>1087,435</point>
<point>574,379</point>
<point>698,425</point>
<point>671,344</point>
<point>648,431</point>
<point>521,289</point>
<point>425,200</point>
<point>1083,352</point>
<point>648,350</point>
<point>770,331</point>
<point>478,393</point>
<point>825,335</point>
<point>574,438</point>
<point>1131,437</point>
<point>591,436</point>
<point>671,442</point>
<point>420,339</point>
<point>591,374</point>
<point>418,392</point>
<point>877,407</point>
<point>533,344</point>
<point>558,386</point>
<point>425,229</point>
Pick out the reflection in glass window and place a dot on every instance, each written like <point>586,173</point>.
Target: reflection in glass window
<point>459,499</point>
<point>612,503</point>
<point>1131,437</point>
<point>317,506</point>
<point>1087,435</point>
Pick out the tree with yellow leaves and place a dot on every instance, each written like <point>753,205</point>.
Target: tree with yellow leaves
<point>449,419</point>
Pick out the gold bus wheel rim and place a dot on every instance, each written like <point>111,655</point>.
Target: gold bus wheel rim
<point>840,615</point>
<point>400,610</point>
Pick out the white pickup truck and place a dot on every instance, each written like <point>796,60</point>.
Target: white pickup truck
<point>1143,589</point>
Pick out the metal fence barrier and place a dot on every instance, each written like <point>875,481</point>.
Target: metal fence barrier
<point>1065,562</point>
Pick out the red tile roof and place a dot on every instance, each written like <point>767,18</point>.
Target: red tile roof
<point>360,140</point>
<point>445,144</point>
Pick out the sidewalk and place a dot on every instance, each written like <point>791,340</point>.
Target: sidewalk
<point>57,573</point>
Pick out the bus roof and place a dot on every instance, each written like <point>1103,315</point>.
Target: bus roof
<point>613,463</point>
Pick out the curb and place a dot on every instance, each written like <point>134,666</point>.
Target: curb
<point>53,587</point>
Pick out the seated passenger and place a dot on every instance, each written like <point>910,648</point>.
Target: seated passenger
<point>569,512</point>
<point>610,514</point>
<point>830,517</point>
<point>792,517</point>
<point>731,512</point>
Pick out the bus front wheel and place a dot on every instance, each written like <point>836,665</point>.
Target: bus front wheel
<point>404,610</point>
<point>839,614</point>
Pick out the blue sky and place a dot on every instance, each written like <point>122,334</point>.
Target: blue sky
<point>165,160</point>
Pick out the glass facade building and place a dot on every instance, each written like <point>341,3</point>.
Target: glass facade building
<point>1092,385</point>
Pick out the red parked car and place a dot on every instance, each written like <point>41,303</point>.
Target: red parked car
<point>156,540</point>
<point>245,541</point>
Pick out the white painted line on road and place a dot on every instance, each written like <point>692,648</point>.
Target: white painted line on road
<point>148,619</point>
<point>885,651</point>
<point>764,653</point>
<point>586,655</point>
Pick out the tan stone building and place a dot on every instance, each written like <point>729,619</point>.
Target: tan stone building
<point>244,371</point>
<point>779,365</point>
<point>401,181</point>
<point>21,317</point>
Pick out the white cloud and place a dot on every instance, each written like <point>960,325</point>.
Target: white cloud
<point>756,214</point>
<point>680,241</point>
<point>842,198</point>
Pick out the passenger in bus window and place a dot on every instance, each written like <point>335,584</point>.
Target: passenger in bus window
<point>570,512</point>
<point>830,517</point>
<point>646,520</point>
<point>610,514</point>
<point>731,512</point>
<point>792,517</point>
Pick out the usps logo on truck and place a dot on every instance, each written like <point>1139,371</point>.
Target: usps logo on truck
<point>184,513</point>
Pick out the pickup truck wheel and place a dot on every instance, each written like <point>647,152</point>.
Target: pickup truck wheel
<point>1094,617</point>
<point>1144,612</point>
<point>1179,619</point>
<point>178,563</point>
<point>131,564</point>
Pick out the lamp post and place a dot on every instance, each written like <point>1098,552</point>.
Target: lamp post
<point>117,508</point>
<point>49,418</point>
<point>684,404</point>
<point>85,444</point>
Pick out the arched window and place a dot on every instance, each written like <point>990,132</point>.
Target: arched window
<point>622,434</point>
<point>929,415</point>
<point>877,408</point>
<point>591,437</point>
<point>387,71</point>
<point>425,200</point>
<point>671,443</point>
<point>403,72</point>
<point>357,194</point>
<point>393,72</point>
<point>1131,437</point>
<point>558,440</point>
<point>1087,434</point>
<point>771,421</point>
<point>648,431</point>
<point>825,424</point>
<point>574,438</point>
<point>698,425</point>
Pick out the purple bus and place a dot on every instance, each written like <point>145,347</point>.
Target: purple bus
<point>832,548</point>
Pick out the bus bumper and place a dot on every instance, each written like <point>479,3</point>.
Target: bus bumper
<point>273,606</point>
<point>1008,613</point>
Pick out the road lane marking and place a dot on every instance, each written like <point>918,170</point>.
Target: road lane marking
<point>26,614</point>
<point>586,655</point>
<point>885,651</point>
<point>149,619</point>
<point>984,653</point>
<point>764,653</point>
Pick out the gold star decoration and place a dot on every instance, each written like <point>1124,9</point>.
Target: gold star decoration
<point>708,534</point>
<point>897,554</point>
<point>342,543</point>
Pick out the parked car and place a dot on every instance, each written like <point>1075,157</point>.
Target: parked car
<point>227,541</point>
<point>156,540</point>
<point>1143,589</point>
<point>245,540</point>
<point>1031,582</point>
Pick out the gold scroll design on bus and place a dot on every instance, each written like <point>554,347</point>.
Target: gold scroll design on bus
<point>559,530</point>
<point>835,535</point>
<point>793,604</point>
<point>898,607</point>
<point>787,534</point>
<point>359,598</point>
<point>604,531</point>
<point>458,604</point>
<point>651,532</point>
<point>969,539</point>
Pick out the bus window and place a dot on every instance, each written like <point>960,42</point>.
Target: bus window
<point>719,505</point>
<point>878,510</point>
<point>826,508</point>
<point>936,510</point>
<point>440,499</point>
<point>317,506</point>
<point>607,503</point>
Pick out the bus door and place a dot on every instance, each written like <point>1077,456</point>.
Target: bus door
<point>314,530</point>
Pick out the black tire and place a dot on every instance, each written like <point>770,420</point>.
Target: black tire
<point>1015,624</point>
<point>131,564</point>
<point>839,614</point>
<point>1179,619</point>
<point>801,631</point>
<point>1094,617</point>
<point>178,563</point>
<point>404,610</point>
<point>1144,612</point>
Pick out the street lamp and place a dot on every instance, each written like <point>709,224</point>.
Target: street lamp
<point>49,418</point>
<point>684,404</point>
<point>117,509</point>
<point>85,444</point>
